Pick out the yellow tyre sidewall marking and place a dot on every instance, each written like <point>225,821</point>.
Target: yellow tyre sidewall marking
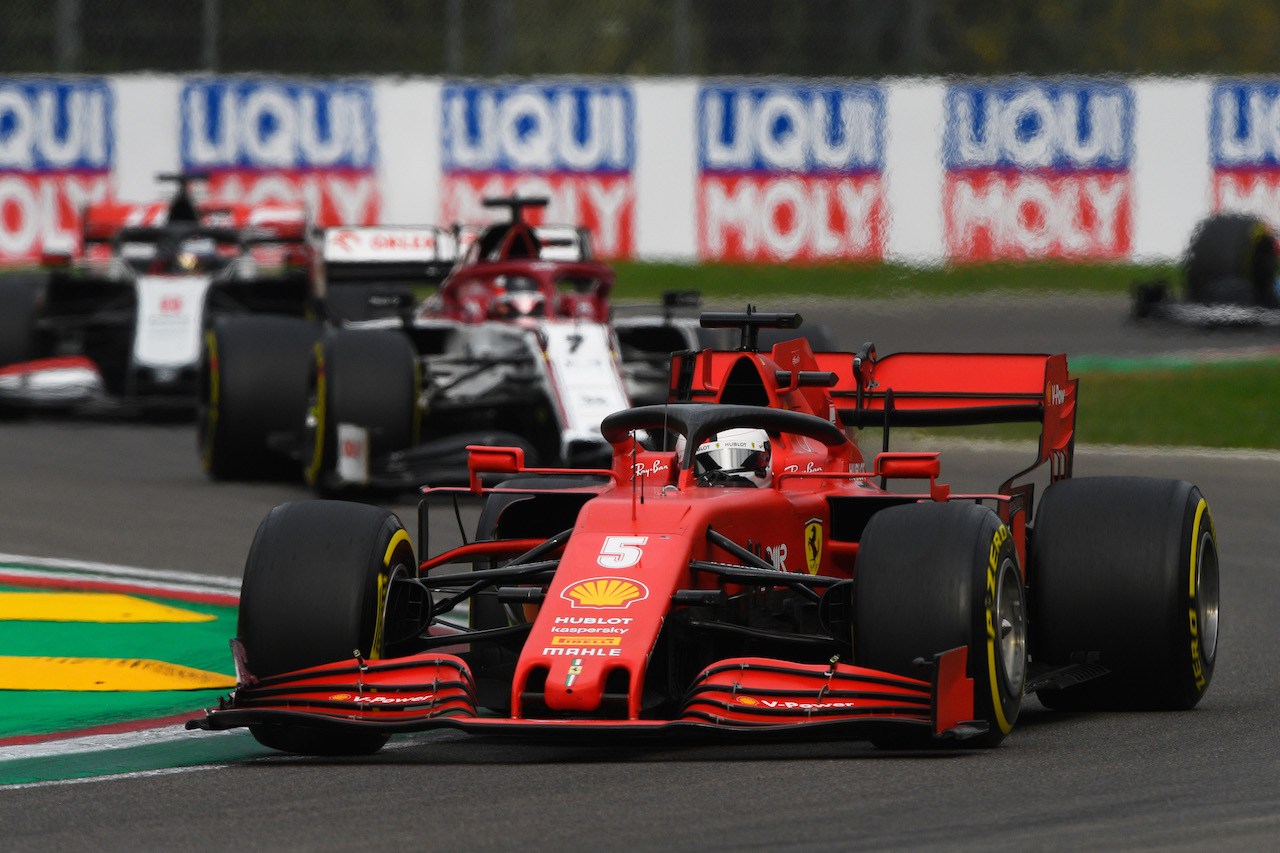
<point>1197,663</point>
<point>401,537</point>
<point>211,419</point>
<point>993,569</point>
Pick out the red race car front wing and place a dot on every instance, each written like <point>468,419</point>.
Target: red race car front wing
<point>732,697</point>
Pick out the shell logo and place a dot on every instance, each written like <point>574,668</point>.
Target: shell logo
<point>341,697</point>
<point>605,593</point>
<point>747,700</point>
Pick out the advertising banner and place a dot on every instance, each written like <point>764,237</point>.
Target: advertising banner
<point>56,157</point>
<point>1038,169</point>
<point>287,141</point>
<point>1244,148</point>
<point>790,172</point>
<point>571,142</point>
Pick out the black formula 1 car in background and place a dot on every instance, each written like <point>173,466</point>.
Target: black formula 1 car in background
<point>1229,278</point>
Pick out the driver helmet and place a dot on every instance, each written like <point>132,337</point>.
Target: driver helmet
<point>518,298</point>
<point>194,255</point>
<point>735,452</point>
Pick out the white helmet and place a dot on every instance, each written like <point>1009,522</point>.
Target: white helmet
<point>734,452</point>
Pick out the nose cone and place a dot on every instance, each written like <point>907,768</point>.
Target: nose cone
<point>588,649</point>
<point>577,683</point>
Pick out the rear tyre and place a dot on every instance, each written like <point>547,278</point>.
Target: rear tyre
<point>365,378</point>
<point>315,591</point>
<point>932,577</point>
<point>1125,569</point>
<point>253,384</point>
<point>1232,259</point>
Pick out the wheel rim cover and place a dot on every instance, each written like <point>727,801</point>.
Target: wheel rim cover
<point>1011,619</point>
<point>1207,596</point>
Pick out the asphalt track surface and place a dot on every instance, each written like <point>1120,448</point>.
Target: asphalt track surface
<point>131,494</point>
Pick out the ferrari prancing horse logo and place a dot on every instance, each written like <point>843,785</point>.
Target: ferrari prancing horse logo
<point>813,544</point>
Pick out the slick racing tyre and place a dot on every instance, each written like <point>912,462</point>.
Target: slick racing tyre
<point>932,577</point>
<point>18,309</point>
<point>363,378</point>
<point>1232,259</point>
<point>315,590</point>
<point>1125,572</point>
<point>252,396</point>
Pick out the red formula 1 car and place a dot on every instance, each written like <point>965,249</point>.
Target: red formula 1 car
<point>118,322</point>
<point>760,577</point>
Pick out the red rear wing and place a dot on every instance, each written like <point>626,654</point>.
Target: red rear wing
<point>914,389</point>
<point>274,222</point>
<point>909,389</point>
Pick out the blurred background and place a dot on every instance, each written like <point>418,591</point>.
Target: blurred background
<point>836,148</point>
<point>871,38</point>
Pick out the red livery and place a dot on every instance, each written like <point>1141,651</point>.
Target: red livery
<point>740,568</point>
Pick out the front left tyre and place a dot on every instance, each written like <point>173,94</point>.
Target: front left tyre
<point>315,591</point>
<point>932,577</point>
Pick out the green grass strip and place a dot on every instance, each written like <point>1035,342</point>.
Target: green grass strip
<point>646,281</point>
<point>1228,405</point>
<point>1231,404</point>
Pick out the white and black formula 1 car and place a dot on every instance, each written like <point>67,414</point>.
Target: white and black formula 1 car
<point>117,324</point>
<point>513,345</point>
<point>1229,272</point>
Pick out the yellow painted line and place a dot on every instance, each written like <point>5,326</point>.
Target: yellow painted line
<point>90,607</point>
<point>104,674</point>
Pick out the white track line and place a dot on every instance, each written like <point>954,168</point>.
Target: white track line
<point>99,743</point>
<point>29,566</point>
<point>112,777</point>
